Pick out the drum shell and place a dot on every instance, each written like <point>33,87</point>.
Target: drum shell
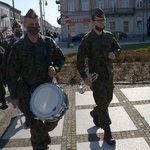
<point>49,102</point>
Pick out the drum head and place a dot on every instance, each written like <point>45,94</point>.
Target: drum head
<point>46,100</point>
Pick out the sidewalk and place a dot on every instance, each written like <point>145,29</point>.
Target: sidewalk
<point>129,112</point>
<point>127,41</point>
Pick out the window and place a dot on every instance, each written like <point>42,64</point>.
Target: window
<point>112,4</point>
<point>100,3</point>
<point>112,26</point>
<point>139,4</point>
<point>72,29</point>
<point>125,3</point>
<point>85,4</point>
<point>126,26</point>
<point>70,5</point>
<point>139,26</point>
<point>86,27</point>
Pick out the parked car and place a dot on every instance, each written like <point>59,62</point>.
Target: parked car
<point>122,35</point>
<point>78,37</point>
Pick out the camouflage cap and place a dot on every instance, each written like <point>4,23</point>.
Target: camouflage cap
<point>16,24</point>
<point>31,14</point>
<point>98,12</point>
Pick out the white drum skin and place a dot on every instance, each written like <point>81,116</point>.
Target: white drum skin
<point>49,102</point>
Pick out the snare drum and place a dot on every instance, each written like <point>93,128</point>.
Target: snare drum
<point>49,102</point>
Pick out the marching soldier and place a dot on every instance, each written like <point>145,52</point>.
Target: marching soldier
<point>34,60</point>
<point>2,84</point>
<point>100,47</point>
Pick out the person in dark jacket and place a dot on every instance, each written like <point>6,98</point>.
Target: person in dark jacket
<point>34,59</point>
<point>100,48</point>
<point>3,41</point>
<point>2,84</point>
<point>17,33</point>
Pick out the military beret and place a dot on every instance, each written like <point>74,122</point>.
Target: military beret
<point>16,25</point>
<point>98,12</point>
<point>31,14</point>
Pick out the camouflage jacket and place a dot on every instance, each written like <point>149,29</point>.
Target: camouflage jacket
<point>4,43</point>
<point>29,62</point>
<point>96,48</point>
<point>6,54</point>
<point>2,50</point>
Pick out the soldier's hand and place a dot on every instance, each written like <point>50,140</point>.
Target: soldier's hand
<point>15,102</point>
<point>51,71</point>
<point>111,55</point>
<point>88,81</point>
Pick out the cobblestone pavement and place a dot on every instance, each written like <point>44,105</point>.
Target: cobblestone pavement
<point>129,112</point>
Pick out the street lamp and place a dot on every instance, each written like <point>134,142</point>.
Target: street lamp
<point>41,16</point>
<point>13,9</point>
<point>44,28</point>
<point>42,22</point>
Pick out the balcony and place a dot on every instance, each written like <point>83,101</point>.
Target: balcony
<point>57,1</point>
<point>3,16</point>
<point>119,11</point>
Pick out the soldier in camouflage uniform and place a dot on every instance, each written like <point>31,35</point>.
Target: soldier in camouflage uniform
<point>34,60</point>
<point>2,84</point>
<point>3,41</point>
<point>100,47</point>
<point>17,33</point>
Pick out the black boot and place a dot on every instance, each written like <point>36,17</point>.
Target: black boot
<point>48,139</point>
<point>4,105</point>
<point>108,137</point>
<point>95,118</point>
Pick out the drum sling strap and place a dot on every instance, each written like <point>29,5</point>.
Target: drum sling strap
<point>48,47</point>
<point>47,51</point>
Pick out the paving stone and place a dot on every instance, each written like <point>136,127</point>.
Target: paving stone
<point>129,112</point>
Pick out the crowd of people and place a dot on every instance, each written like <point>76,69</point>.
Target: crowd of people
<point>30,60</point>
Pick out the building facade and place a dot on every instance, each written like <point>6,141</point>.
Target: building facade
<point>129,16</point>
<point>7,16</point>
<point>4,19</point>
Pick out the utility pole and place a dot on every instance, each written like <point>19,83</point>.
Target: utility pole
<point>41,17</point>
<point>13,10</point>
<point>44,19</point>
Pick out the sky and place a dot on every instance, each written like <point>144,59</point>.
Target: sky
<point>51,10</point>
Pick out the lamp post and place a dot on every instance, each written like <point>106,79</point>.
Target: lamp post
<point>42,21</point>
<point>13,9</point>
<point>41,16</point>
<point>44,25</point>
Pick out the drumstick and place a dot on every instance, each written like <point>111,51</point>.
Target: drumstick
<point>19,117</point>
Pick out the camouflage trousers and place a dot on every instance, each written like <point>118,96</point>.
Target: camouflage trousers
<point>2,92</point>
<point>38,129</point>
<point>103,94</point>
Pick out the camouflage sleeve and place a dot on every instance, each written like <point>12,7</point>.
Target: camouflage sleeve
<point>58,58</point>
<point>2,50</point>
<point>81,55</point>
<point>13,68</point>
<point>5,58</point>
<point>1,57</point>
<point>116,47</point>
